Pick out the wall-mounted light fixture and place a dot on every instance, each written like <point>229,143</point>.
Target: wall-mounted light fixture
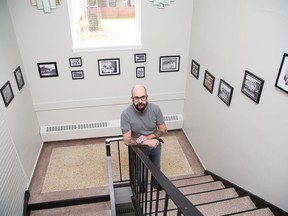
<point>161,3</point>
<point>45,5</point>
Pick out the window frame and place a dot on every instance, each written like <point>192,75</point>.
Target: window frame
<point>91,46</point>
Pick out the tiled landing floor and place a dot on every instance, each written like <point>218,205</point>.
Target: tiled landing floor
<point>102,209</point>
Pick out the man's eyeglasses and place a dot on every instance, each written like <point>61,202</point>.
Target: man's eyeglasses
<point>142,98</point>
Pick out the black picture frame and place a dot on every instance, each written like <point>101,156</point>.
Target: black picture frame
<point>75,62</point>
<point>252,86</point>
<point>139,57</point>
<point>225,92</point>
<point>140,72</point>
<point>209,81</point>
<point>19,78</point>
<point>109,67</point>
<point>169,63</point>
<point>195,68</point>
<point>282,77</point>
<point>77,74</point>
<point>47,69</point>
<point>7,93</point>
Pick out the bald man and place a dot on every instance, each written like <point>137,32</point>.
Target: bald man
<point>142,124</point>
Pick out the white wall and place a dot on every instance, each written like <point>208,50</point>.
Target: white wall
<point>19,129</point>
<point>20,115</point>
<point>47,37</point>
<point>245,143</point>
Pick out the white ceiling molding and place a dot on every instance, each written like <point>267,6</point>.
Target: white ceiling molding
<point>161,3</point>
<point>45,5</point>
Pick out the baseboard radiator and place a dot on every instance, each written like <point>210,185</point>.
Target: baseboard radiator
<point>96,129</point>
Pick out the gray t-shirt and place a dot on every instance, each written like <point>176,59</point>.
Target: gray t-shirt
<point>141,123</point>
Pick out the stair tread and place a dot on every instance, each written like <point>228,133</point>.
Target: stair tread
<point>227,207</point>
<point>192,180</point>
<point>212,196</point>
<point>202,187</point>
<point>102,208</point>
<point>257,212</point>
<point>189,190</point>
<point>202,198</point>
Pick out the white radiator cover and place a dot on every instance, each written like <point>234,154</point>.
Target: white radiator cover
<point>96,129</point>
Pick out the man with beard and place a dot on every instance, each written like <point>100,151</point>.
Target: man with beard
<point>142,124</point>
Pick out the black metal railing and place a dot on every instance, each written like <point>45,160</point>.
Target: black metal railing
<point>149,200</point>
<point>119,154</point>
<point>110,178</point>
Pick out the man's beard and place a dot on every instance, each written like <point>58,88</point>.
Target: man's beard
<point>140,107</point>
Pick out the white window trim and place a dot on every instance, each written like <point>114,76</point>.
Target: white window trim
<point>93,46</point>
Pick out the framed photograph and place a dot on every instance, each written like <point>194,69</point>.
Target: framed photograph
<point>19,78</point>
<point>195,67</point>
<point>140,72</point>
<point>75,62</point>
<point>282,78</point>
<point>225,92</point>
<point>7,93</point>
<point>109,67</point>
<point>252,86</point>
<point>78,74</point>
<point>47,69</point>
<point>169,63</point>
<point>208,82</point>
<point>140,57</point>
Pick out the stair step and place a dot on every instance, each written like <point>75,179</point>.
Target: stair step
<point>189,190</point>
<point>258,212</point>
<point>202,198</point>
<point>227,207</point>
<point>202,187</point>
<point>102,208</point>
<point>192,181</point>
<point>212,196</point>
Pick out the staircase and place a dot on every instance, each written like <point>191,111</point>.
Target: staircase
<point>211,197</point>
<point>209,193</point>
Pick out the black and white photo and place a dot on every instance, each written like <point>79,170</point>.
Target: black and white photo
<point>140,72</point>
<point>75,62</point>
<point>195,67</point>
<point>47,69</point>
<point>225,92</point>
<point>282,78</point>
<point>169,63</point>
<point>109,67</point>
<point>19,78</point>
<point>7,93</point>
<point>252,86</point>
<point>208,81</point>
<point>78,74</point>
<point>140,57</point>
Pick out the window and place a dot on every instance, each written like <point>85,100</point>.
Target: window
<point>102,24</point>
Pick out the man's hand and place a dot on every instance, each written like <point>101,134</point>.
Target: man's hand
<point>144,140</point>
<point>153,143</point>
